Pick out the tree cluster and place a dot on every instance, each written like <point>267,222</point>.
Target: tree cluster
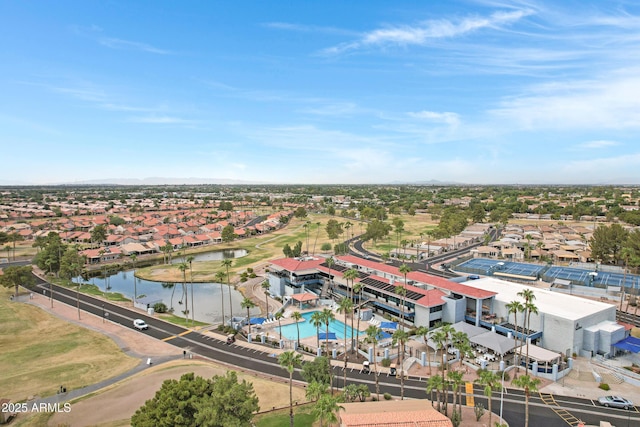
<point>195,401</point>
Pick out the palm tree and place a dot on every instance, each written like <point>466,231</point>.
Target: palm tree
<point>316,320</point>
<point>456,382</point>
<point>530,385</point>
<point>327,408</point>
<point>226,263</point>
<point>515,307</point>
<point>491,381</point>
<point>289,360</point>
<point>315,390</point>
<point>183,267</point>
<point>248,304</point>
<point>528,296</point>
<point>220,279</point>
<point>404,269</point>
<point>296,316</point>
<point>330,262</point>
<point>190,259</point>
<point>402,293</point>
<point>436,382</point>
<point>374,334</point>
<point>345,306</point>
<point>350,275</point>
<point>441,337</point>
<point>316,240</point>
<point>327,317</point>
<point>423,331</point>
<point>265,287</point>
<point>531,309</point>
<point>75,270</point>
<point>279,319</point>
<point>400,336</point>
<point>358,288</point>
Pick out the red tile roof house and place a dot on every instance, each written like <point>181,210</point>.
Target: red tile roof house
<point>398,413</point>
<point>429,299</point>
<point>95,256</point>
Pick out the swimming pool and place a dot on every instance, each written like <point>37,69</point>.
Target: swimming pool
<point>308,330</point>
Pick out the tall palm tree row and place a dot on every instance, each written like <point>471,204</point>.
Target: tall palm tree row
<point>316,320</point>
<point>220,280</point>
<point>289,360</point>
<point>296,316</point>
<point>491,381</point>
<point>345,306</point>
<point>265,288</point>
<point>327,317</point>
<point>401,336</point>
<point>374,334</point>
<point>248,304</point>
<point>404,269</point>
<point>183,268</point>
<point>350,276</point>
<point>515,307</point>
<point>530,385</point>
<point>190,259</point>
<point>226,263</point>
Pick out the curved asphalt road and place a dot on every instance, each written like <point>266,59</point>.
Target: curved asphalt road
<point>264,362</point>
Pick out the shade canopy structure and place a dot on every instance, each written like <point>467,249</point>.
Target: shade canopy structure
<point>497,343</point>
<point>540,354</point>
<point>257,320</point>
<point>305,297</point>
<point>384,335</point>
<point>325,336</point>
<point>631,344</point>
<point>468,329</point>
<point>388,325</point>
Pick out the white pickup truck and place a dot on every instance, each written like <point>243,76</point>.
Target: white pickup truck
<point>140,324</point>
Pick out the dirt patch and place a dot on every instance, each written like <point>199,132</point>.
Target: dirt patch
<point>109,406</point>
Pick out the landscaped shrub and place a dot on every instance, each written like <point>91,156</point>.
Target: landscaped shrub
<point>386,362</point>
<point>160,307</point>
<point>387,396</point>
<point>479,411</point>
<point>604,386</point>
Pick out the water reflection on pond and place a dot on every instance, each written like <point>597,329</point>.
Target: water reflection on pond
<point>206,296</point>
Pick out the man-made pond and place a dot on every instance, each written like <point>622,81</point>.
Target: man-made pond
<point>206,296</point>
<point>210,256</point>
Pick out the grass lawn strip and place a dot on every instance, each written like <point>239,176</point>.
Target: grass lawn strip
<point>40,352</point>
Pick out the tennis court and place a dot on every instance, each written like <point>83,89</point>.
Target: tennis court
<point>519,270</point>
<point>591,278</point>
<point>489,267</point>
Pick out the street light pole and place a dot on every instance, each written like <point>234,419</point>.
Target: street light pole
<point>102,313</point>
<point>502,395</point>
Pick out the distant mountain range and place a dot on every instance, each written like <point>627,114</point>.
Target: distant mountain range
<point>216,181</point>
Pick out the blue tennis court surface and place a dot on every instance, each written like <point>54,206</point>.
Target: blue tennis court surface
<point>489,267</point>
<point>524,271</point>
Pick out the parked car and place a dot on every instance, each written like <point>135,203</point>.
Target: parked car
<point>366,367</point>
<point>615,402</point>
<point>140,324</point>
<point>231,338</point>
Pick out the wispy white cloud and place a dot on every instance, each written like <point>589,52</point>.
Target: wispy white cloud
<point>426,32</point>
<point>115,43</point>
<point>610,101</point>
<point>598,144</point>
<point>85,93</point>
<point>163,120</point>
<point>286,26</point>
<point>451,119</point>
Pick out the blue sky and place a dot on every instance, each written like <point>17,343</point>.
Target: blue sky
<point>480,92</point>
